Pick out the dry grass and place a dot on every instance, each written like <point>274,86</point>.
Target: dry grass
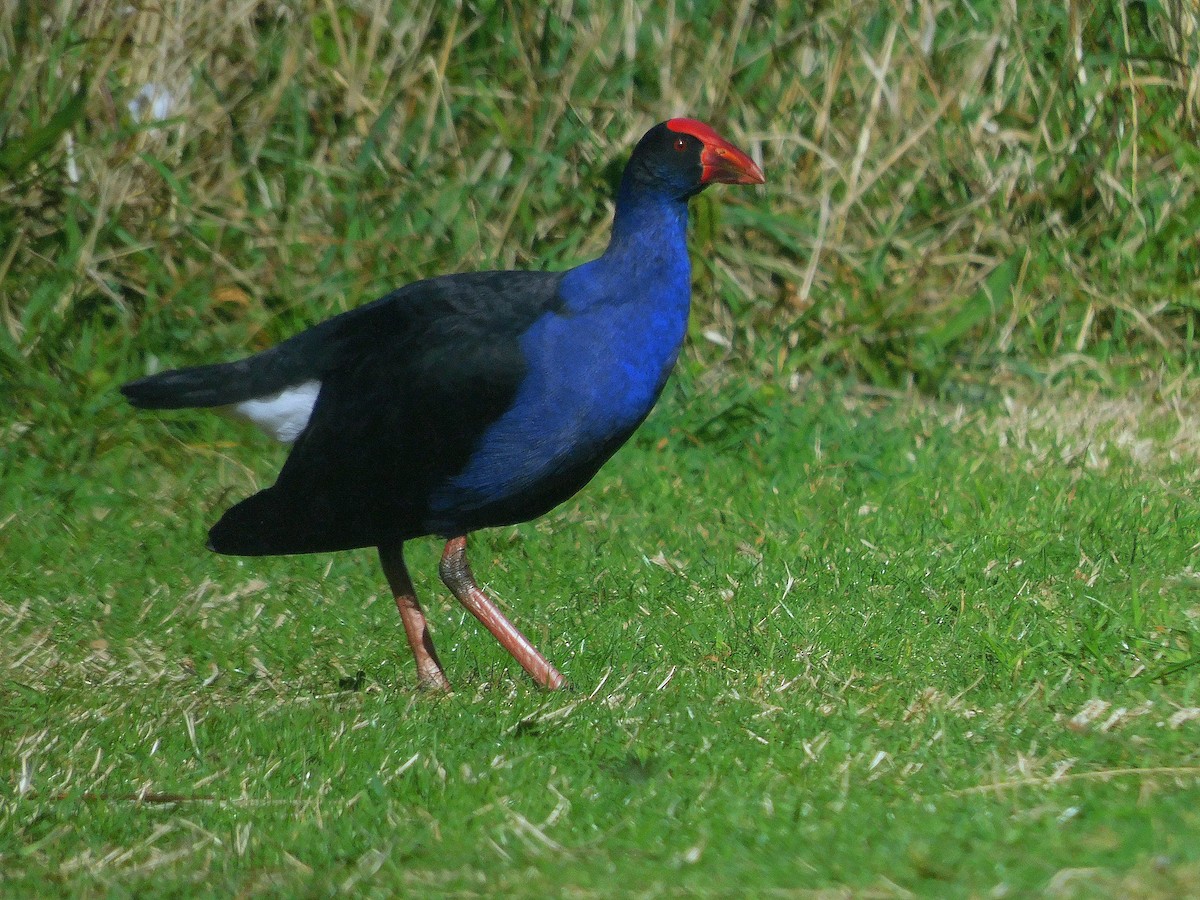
<point>1093,430</point>
<point>943,188</point>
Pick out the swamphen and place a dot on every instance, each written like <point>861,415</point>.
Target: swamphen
<point>468,401</point>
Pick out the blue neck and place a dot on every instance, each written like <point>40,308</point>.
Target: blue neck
<point>647,220</point>
<point>649,235</point>
<point>594,370</point>
<point>647,255</point>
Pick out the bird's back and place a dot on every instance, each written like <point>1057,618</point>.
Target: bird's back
<point>460,403</point>
<point>408,386</point>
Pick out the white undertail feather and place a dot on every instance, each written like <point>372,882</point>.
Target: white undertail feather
<point>283,415</point>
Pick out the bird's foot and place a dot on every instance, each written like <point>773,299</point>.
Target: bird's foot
<point>434,686</point>
<point>549,678</point>
<point>431,679</point>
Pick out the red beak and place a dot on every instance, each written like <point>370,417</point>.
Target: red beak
<point>721,160</point>
<point>726,163</point>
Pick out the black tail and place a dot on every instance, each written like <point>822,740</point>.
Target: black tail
<point>216,385</point>
<point>222,384</point>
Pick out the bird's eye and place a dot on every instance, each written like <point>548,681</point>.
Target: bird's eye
<point>680,144</point>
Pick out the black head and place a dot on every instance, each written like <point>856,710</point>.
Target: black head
<point>684,156</point>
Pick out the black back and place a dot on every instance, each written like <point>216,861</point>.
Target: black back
<point>409,384</point>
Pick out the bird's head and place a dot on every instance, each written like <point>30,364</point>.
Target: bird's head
<point>684,156</point>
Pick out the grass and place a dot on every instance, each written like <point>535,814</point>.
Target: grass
<point>946,190</point>
<point>896,594</point>
<point>882,645</point>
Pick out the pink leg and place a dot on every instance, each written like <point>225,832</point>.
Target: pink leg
<point>456,573</point>
<point>429,669</point>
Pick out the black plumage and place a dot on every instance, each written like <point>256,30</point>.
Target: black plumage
<point>468,401</point>
<point>420,373</point>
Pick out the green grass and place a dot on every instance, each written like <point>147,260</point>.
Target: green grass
<point>844,643</point>
<point>946,190</point>
<point>896,594</point>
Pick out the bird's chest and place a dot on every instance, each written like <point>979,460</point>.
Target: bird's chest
<point>594,376</point>
<point>591,378</point>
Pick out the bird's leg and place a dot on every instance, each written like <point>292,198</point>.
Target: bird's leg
<point>456,573</point>
<point>429,669</point>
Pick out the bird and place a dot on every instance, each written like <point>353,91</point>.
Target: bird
<point>467,401</point>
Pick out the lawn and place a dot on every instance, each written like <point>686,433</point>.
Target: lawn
<point>883,644</point>
<point>896,593</point>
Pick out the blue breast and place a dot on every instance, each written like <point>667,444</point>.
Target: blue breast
<point>595,368</point>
